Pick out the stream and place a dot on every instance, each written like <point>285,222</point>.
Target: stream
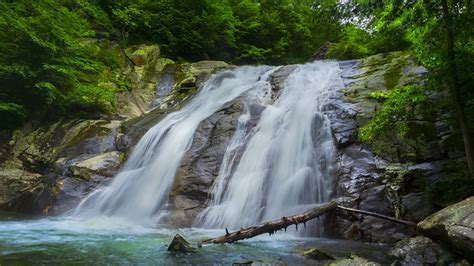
<point>62,240</point>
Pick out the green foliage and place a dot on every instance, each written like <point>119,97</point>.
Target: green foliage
<point>400,106</point>
<point>49,63</point>
<point>11,115</point>
<point>352,45</point>
<point>379,96</point>
<point>423,28</point>
<point>245,31</point>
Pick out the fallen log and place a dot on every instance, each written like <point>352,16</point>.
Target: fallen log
<point>282,223</point>
<point>273,226</point>
<point>378,215</point>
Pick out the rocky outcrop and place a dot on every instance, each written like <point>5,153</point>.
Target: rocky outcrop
<point>200,165</point>
<point>392,177</point>
<point>40,156</point>
<point>47,169</point>
<point>454,225</point>
<point>421,251</point>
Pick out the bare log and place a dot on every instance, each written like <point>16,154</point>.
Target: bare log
<point>282,223</point>
<point>378,215</point>
<point>273,226</point>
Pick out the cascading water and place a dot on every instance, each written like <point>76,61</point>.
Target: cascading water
<point>139,191</point>
<point>286,164</point>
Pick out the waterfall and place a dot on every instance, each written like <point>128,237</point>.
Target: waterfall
<point>141,189</point>
<point>285,167</point>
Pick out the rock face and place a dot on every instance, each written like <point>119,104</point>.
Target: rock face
<point>200,165</point>
<point>83,150</point>
<point>454,225</point>
<point>391,179</point>
<point>47,169</point>
<point>421,251</point>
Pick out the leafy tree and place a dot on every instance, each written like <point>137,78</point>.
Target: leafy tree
<point>48,63</point>
<point>440,35</point>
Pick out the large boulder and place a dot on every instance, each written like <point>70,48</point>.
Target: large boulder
<point>421,251</point>
<point>105,164</point>
<point>40,157</point>
<point>454,225</point>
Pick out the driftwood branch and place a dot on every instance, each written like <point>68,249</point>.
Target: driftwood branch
<point>378,215</point>
<point>282,223</point>
<point>273,226</point>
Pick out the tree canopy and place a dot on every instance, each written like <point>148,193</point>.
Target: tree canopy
<point>54,61</point>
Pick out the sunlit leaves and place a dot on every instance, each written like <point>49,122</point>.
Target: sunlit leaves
<point>400,106</point>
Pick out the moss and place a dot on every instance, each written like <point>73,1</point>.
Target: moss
<point>392,76</point>
<point>55,189</point>
<point>122,156</point>
<point>317,254</point>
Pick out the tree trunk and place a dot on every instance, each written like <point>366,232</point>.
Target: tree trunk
<point>456,87</point>
<point>378,215</point>
<point>284,222</point>
<point>273,226</point>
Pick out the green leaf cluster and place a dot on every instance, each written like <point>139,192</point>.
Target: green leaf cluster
<point>50,61</point>
<point>242,31</point>
<point>401,106</point>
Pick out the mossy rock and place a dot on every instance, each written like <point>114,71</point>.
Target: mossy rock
<point>142,54</point>
<point>353,260</point>
<point>454,225</point>
<point>181,245</point>
<point>316,254</point>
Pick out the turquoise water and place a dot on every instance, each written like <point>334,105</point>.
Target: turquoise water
<point>103,241</point>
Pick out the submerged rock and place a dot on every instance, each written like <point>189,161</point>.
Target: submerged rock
<point>317,254</point>
<point>179,244</point>
<point>454,225</point>
<point>352,261</point>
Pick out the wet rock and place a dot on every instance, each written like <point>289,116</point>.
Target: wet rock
<point>200,165</point>
<point>40,156</point>
<point>317,254</point>
<point>122,142</point>
<point>106,164</point>
<point>417,206</point>
<point>352,261</point>
<point>181,245</point>
<point>358,169</point>
<point>278,77</point>
<point>454,225</point>
<point>421,251</point>
<point>140,78</point>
